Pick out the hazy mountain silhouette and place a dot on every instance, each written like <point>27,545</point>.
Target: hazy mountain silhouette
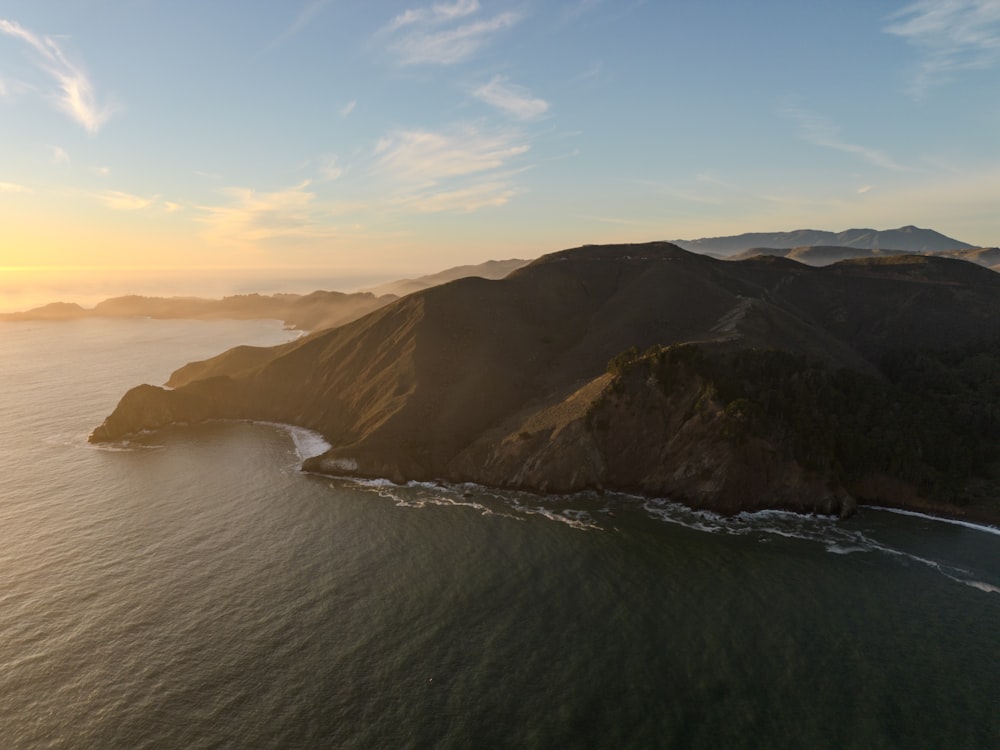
<point>508,382</point>
<point>303,311</point>
<point>309,312</point>
<point>909,239</point>
<point>491,269</point>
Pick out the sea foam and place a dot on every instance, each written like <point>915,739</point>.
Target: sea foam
<point>953,521</point>
<point>308,443</point>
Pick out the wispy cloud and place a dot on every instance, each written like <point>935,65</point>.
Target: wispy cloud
<point>821,131</point>
<point>954,35</point>
<point>687,192</point>
<point>101,171</point>
<point>251,216</point>
<point>119,201</point>
<point>464,169</point>
<point>865,189</point>
<point>462,200</point>
<point>425,157</point>
<point>594,73</point>
<point>432,36</point>
<point>59,155</point>
<point>309,11</point>
<point>512,99</point>
<point>13,187</point>
<point>346,110</point>
<point>329,167</point>
<point>437,13</point>
<point>11,87</point>
<point>75,93</point>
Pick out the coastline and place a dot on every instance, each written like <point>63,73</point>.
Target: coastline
<point>310,445</point>
<point>942,517</point>
<point>974,517</point>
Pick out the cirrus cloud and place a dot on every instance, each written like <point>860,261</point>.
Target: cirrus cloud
<point>437,13</point>
<point>426,157</point>
<point>954,36</point>
<point>461,169</point>
<point>512,99</point>
<point>430,35</point>
<point>821,131</point>
<point>74,93</point>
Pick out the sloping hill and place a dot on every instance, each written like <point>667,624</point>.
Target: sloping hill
<point>822,255</point>
<point>816,255</point>
<point>981,256</point>
<point>499,381</point>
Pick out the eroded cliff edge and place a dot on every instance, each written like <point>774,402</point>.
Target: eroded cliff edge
<point>508,382</point>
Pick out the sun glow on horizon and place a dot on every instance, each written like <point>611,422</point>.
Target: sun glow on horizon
<point>451,134</point>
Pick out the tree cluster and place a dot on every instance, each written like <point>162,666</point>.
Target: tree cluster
<point>933,420</point>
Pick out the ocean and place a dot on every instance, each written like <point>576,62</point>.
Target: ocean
<point>194,589</point>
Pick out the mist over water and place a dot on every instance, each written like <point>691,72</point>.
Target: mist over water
<point>194,589</point>
<point>25,288</point>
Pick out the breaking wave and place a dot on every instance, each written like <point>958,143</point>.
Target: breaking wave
<point>837,537</point>
<point>590,512</point>
<point>308,443</point>
<point>488,502</point>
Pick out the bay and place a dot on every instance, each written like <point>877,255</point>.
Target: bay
<point>195,589</point>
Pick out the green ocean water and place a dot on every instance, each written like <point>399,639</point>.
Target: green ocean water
<point>195,589</point>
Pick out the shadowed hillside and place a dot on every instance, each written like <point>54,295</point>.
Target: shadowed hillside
<point>508,382</point>
<point>822,255</point>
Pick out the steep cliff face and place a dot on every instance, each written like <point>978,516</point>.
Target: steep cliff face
<point>627,433</point>
<point>147,407</point>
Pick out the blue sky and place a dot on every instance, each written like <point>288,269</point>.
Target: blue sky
<point>366,137</point>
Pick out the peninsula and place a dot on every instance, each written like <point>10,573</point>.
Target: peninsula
<point>727,385</point>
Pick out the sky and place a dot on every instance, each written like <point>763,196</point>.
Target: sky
<point>344,140</point>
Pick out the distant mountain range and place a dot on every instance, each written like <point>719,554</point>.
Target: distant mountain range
<point>325,309</point>
<point>320,309</point>
<point>303,311</point>
<point>908,239</point>
<point>727,385</point>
